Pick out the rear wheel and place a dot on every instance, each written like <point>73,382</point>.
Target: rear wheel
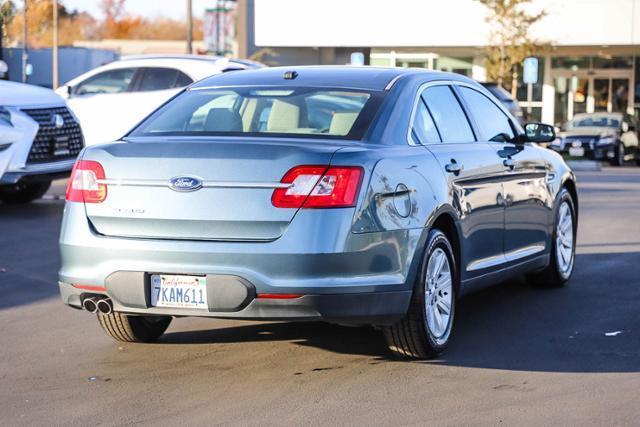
<point>23,192</point>
<point>129,328</point>
<point>563,246</point>
<point>425,330</point>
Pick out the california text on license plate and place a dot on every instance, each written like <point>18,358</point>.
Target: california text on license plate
<point>169,290</point>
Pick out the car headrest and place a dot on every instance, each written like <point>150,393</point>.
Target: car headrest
<point>342,122</point>
<point>223,120</point>
<point>283,117</point>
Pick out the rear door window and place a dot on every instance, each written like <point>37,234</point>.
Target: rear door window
<point>160,79</point>
<point>424,129</point>
<point>112,81</point>
<point>448,115</point>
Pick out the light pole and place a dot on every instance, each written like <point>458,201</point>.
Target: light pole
<point>55,44</point>
<point>25,44</point>
<point>189,27</point>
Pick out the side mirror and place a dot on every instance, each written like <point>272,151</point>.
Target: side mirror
<point>625,127</point>
<point>539,132</point>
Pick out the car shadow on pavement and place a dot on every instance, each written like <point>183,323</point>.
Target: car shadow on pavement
<point>29,253</point>
<point>592,325</point>
<point>338,339</point>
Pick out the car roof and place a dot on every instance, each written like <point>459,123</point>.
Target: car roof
<point>195,66</point>
<point>346,76</point>
<point>219,60</point>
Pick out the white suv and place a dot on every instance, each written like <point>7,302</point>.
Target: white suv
<point>40,139</point>
<point>111,99</point>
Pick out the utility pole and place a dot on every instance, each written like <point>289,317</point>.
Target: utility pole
<point>25,44</point>
<point>55,44</point>
<point>189,27</point>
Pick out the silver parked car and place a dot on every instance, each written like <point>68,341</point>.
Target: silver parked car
<point>353,195</point>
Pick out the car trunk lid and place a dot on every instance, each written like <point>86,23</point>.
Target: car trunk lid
<point>151,187</point>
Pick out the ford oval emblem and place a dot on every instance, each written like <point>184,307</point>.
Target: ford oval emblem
<point>185,183</point>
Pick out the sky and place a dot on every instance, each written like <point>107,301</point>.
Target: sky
<point>150,8</point>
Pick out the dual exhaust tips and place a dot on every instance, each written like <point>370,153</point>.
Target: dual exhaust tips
<point>96,304</point>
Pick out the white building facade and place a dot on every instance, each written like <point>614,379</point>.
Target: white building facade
<point>593,63</point>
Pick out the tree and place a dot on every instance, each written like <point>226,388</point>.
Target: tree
<point>72,25</point>
<point>7,12</point>
<point>510,42</point>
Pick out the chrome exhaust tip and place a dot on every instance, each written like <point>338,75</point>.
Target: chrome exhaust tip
<point>90,305</point>
<point>104,306</point>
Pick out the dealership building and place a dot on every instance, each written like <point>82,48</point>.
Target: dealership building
<point>591,63</point>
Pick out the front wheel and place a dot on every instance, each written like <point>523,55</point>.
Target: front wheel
<point>618,160</point>
<point>563,245</point>
<point>23,192</point>
<point>130,328</point>
<point>425,330</point>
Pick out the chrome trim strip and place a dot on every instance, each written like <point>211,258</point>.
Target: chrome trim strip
<point>393,81</point>
<point>205,184</point>
<point>504,258</point>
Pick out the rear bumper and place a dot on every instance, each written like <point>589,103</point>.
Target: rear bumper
<point>378,308</point>
<point>343,277</point>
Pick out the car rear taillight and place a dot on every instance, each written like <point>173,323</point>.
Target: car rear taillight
<point>83,184</point>
<point>319,187</point>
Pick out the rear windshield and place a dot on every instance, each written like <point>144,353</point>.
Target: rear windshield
<point>269,111</point>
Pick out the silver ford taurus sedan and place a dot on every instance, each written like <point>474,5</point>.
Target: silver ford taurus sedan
<point>353,195</point>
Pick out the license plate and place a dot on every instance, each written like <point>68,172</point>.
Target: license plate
<point>168,290</point>
<point>576,151</point>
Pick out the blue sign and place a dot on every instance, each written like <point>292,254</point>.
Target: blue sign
<point>530,73</point>
<point>357,58</point>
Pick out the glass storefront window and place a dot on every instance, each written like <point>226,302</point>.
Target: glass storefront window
<point>601,94</point>
<point>460,65</point>
<point>411,63</point>
<point>571,62</point>
<point>380,62</point>
<point>616,62</point>
<point>637,91</point>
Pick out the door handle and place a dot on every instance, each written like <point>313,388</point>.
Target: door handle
<point>510,163</point>
<point>453,167</point>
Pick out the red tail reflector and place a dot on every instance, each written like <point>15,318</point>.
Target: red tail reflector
<point>319,187</point>
<point>83,184</point>
<point>90,288</point>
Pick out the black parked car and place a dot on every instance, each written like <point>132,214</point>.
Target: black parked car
<point>600,136</point>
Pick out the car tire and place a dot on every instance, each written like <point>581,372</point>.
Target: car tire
<point>23,192</point>
<point>618,160</point>
<point>419,335</point>
<point>559,270</point>
<point>129,328</point>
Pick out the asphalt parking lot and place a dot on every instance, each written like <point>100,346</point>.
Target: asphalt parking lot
<point>520,355</point>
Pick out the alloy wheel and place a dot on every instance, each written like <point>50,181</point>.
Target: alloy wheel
<point>438,295</point>
<point>564,239</point>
